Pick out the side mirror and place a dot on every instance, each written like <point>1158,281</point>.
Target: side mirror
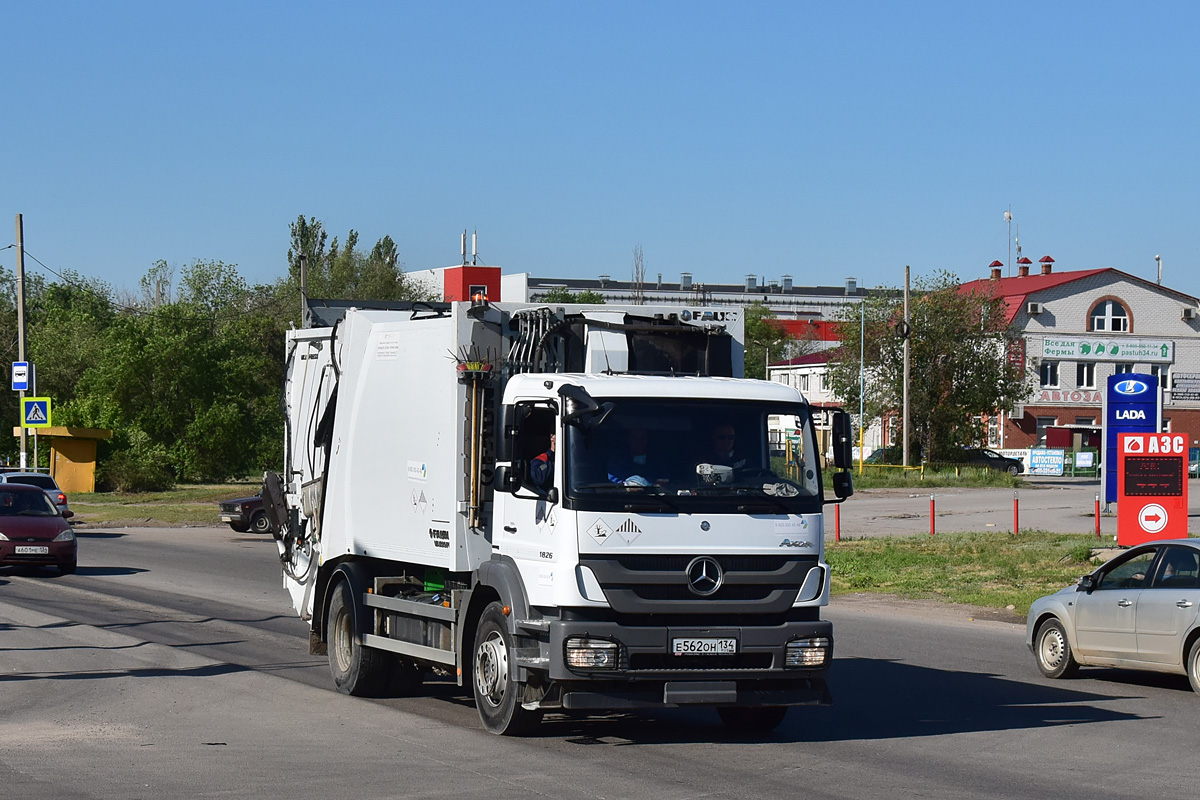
<point>511,418</point>
<point>843,485</point>
<point>506,479</point>
<point>67,513</point>
<point>1087,583</point>
<point>843,440</point>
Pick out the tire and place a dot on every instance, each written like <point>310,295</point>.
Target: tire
<point>259,522</point>
<point>68,568</point>
<point>1193,666</point>
<point>761,719</point>
<point>1014,470</point>
<point>240,527</point>
<point>1052,651</point>
<point>497,696</point>
<point>356,670</point>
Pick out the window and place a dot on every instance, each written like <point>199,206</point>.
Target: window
<point>1085,420</point>
<point>1049,373</point>
<point>1085,375</point>
<point>1121,369</point>
<point>1129,574</point>
<point>1042,424</point>
<point>993,431</point>
<point>1178,569</point>
<point>1109,316</point>
<point>1160,372</point>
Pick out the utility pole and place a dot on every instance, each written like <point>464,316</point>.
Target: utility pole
<point>907,352</point>
<point>21,327</point>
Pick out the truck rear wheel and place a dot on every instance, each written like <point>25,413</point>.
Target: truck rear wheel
<point>497,696</point>
<point>752,720</point>
<point>357,670</point>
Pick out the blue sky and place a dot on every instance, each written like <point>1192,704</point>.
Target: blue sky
<point>821,140</point>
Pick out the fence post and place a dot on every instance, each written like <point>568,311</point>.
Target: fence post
<point>932,514</point>
<point>1097,515</point>
<point>1016,514</point>
<point>837,522</point>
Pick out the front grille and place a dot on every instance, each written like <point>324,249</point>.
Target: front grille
<point>668,592</point>
<point>659,584</point>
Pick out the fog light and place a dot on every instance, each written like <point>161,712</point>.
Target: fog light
<point>583,653</point>
<point>810,652</point>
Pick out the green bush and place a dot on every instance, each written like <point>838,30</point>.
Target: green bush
<point>143,467</point>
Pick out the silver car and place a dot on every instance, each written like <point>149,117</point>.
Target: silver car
<point>44,482</point>
<point>1138,611</point>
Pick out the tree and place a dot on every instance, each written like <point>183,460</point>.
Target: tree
<point>560,294</point>
<point>959,364</point>
<point>764,340</point>
<point>343,272</point>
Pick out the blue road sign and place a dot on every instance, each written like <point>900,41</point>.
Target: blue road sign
<point>20,376</point>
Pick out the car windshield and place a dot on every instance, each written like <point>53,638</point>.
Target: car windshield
<point>40,481</point>
<point>30,504</point>
<point>739,457</point>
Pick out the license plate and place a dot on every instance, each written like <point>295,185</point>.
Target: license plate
<point>32,549</point>
<point>703,647</point>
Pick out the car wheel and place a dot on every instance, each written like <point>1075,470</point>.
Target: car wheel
<point>1014,470</point>
<point>1053,651</point>
<point>240,527</point>
<point>497,696</point>
<point>752,720</point>
<point>259,522</point>
<point>1193,666</point>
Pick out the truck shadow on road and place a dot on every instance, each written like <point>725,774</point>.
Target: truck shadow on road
<point>873,699</point>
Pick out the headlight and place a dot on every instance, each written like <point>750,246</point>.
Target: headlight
<point>810,652</point>
<point>65,536</point>
<point>584,653</point>
<point>3,538</point>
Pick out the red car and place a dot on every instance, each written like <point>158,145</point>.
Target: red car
<point>32,531</point>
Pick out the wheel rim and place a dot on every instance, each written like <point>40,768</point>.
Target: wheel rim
<point>1194,666</point>
<point>343,641</point>
<point>1053,648</point>
<point>491,669</point>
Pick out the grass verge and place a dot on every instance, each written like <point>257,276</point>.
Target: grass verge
<point>184,505</point>
<point>992,570</point>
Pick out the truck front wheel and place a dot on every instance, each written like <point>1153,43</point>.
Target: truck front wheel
<point>497,696</point>
<point>357,670</point>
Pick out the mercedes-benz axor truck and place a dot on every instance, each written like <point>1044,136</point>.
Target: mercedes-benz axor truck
<point>564,508</point>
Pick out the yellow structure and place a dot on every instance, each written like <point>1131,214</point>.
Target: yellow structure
<point>73,455</point>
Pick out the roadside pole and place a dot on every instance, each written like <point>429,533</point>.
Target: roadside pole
<point>21,326</point>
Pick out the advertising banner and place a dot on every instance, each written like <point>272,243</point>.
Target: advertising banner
<point>1152,486</point>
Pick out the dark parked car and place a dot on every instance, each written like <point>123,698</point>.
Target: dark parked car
<point>32,531</point>
<point>894,454</point>
<point>982,457</point>
<point>245,514</point>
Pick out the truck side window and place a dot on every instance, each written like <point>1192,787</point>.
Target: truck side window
<point>535,447</point>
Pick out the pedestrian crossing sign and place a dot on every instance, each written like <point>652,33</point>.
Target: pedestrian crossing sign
<point>35,412</point>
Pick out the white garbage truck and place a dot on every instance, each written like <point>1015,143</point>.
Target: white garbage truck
<point>563,508</point>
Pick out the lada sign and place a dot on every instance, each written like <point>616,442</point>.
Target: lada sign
<point>1131,405</point>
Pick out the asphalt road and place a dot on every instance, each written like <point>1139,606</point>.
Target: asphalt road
<point>172,666</point>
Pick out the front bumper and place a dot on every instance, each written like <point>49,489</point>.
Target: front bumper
<point>649,675</point>
<point>57,553</point>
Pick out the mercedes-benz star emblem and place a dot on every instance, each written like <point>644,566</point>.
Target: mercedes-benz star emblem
<point>704,576</point>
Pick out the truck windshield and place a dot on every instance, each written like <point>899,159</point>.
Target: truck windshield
<point>715,456</point>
